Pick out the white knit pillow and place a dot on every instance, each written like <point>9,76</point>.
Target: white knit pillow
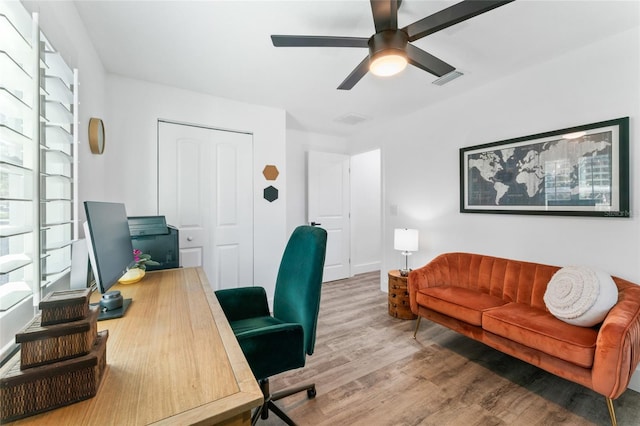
<point>580,295</point>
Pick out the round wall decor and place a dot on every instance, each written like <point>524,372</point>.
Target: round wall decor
<point>96,135</point>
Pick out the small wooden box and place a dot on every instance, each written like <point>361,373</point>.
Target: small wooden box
<point>51,343</point>
<point>27,392</point>
<point>64,306</point>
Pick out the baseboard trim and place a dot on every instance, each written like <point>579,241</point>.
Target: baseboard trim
<point>365,267</point>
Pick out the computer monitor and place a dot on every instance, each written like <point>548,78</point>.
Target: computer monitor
<point>110,250</point>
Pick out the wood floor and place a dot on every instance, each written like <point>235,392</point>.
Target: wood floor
<point>370,371</point>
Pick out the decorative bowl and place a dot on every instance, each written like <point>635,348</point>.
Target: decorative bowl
<point>132,276</point>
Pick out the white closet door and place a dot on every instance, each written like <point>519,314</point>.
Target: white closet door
<point>206,191</point>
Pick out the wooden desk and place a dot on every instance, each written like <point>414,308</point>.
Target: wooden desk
<point>172,359</point>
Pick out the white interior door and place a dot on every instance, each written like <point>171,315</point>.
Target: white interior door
<point>328,205</point>
<point>205,189</point>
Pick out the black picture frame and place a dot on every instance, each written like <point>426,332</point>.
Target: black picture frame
<point>577,171</point>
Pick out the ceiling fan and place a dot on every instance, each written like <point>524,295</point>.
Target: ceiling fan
<point>390,48</point>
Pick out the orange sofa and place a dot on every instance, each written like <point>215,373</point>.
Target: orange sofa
<point>499,302</point>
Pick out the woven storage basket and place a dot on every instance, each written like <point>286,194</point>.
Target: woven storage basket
<point>27,392</point>
<point>64,306</point>
<point>46,344</point>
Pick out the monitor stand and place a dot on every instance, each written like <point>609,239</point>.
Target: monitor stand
<point>113,313</point>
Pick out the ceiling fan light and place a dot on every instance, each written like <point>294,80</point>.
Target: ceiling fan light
<point>388,64</point>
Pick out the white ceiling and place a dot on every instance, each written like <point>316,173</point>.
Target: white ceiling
<point>223,48</point>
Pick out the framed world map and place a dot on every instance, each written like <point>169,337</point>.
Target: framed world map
<point>579,171</point>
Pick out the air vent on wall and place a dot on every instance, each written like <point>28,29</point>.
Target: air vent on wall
<point>447,78</point>
<point>352,119</point>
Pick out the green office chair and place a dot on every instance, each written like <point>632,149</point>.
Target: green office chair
<point>277,343</point>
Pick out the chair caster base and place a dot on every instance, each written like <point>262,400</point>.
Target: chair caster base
<point>269,398</point>
<point>311,393</point>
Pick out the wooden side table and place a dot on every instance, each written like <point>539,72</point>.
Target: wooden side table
<point>399,296</point>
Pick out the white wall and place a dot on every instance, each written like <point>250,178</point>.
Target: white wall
<point>366,212</point>
<point>134,108</point>
<point>421,169</point>
<point>66,32</point>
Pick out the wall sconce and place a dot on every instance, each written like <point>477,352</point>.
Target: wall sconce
<point>407,241</point>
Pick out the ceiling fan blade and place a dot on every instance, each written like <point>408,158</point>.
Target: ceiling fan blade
<point>355,75</point>
<point>427,62</point>
<point>385,14</point>
<point>450,16</point>
<point>318,41</point>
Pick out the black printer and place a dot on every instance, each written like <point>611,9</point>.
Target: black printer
<point>151,235</point>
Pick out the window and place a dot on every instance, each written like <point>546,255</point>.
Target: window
<point>37,117</point>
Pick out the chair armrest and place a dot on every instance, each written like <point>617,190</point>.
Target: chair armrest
<point>618,345</point>
<point>243,302</point>
<point>273,349</point>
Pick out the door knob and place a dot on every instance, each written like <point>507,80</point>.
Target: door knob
<point>189,238</point>
<point>315,223</point>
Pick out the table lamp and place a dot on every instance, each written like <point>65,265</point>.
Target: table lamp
<point>407,241</point>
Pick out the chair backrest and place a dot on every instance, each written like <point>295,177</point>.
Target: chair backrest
<point>297,294</point>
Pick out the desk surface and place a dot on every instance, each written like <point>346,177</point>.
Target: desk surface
<point>172,359</point>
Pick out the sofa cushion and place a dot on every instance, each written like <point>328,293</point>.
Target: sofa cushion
<point>540,330</point>
<point>580,295</point>
<point>457,302</point>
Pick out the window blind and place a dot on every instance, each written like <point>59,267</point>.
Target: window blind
<point>38,118</point>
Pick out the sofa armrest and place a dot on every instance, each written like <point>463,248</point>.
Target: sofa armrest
<point>243,302</point>
<point>433,274</point>
<point>618,345</point>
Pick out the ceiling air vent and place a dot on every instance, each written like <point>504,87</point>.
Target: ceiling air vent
<point>351,119</point>
<point>447,78</point>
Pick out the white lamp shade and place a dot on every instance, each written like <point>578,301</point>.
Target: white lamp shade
<point>405,239</point>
